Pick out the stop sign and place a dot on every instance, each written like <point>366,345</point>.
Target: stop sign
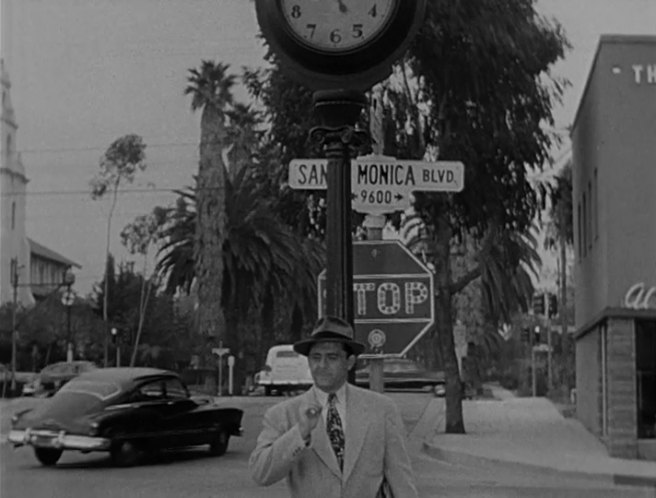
<point>392,296</point>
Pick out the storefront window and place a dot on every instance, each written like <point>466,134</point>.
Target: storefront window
<point>646,378</point>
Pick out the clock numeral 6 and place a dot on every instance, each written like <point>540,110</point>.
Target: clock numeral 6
<point>335,36</point>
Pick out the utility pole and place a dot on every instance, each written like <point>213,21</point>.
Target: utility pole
<point>14,333</point>
<point>547,314</point>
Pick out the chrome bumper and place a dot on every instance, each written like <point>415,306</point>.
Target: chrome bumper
<point>57,440</point>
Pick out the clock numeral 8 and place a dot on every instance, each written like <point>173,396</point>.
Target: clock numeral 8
<point>296,11</point>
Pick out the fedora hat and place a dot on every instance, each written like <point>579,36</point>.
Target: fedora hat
<point>330,329</point>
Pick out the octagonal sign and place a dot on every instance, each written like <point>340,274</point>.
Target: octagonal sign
<point>393,291</point>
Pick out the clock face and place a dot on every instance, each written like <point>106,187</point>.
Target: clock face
<point>337,25</point>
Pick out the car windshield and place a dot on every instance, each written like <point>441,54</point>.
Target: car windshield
<point>400,366</point>
<point>101,390</point>
<point>286,354</point>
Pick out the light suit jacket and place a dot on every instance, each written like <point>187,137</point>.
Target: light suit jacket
<point>375,446</point>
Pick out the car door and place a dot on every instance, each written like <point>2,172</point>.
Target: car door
<point>184,425</point>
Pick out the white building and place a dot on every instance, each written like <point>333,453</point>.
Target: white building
<point>39,269</point>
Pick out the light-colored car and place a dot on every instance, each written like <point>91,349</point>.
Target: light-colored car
<point>285,371</point>
<point>54,376</point>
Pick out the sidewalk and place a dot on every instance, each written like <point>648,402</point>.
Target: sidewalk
<point>532,432</point>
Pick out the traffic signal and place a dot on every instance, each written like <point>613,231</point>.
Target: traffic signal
<point>553,305</point>
<point>536,337</point>
<point>525,334</point>
<point>538,304</point>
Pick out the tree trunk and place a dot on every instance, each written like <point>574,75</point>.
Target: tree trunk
<point>444,324</point>
<point>210,225</point>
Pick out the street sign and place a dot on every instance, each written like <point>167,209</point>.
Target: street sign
<point>220,351</point>
<point>382,184</point>
<point>382,172</point>
<point>392,295</point>
<point>68,298</point>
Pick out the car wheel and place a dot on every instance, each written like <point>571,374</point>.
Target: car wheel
<point>219,443</point>
<point>125,453</point>
<point>47,456</point>
<point>438,390</point>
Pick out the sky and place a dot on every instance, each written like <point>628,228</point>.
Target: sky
<point>85,72</point>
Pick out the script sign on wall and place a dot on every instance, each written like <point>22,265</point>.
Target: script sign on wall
<point>392,296</point>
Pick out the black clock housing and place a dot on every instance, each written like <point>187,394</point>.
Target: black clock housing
<point>356,69</point>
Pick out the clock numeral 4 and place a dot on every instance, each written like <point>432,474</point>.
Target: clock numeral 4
<point>373,12</point>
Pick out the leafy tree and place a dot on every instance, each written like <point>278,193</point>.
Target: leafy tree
<point>482,74</point>
<point>161,327</point>
<point>118,166</point>
<point>138,236</point>
<point>475,87</point>
<point>210,90</point>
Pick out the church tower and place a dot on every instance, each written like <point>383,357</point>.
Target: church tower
<point>13,182</point>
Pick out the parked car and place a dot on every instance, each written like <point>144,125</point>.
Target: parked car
<point>285,371</point>
<point>127,412</point>
<point>402,373</point>
<point>52,377</point>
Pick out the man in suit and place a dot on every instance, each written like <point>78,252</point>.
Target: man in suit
<point>336,440</point>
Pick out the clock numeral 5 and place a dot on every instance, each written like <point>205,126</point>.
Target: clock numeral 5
<point>357,31</point>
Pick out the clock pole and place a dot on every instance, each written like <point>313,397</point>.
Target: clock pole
<point>338,111</point>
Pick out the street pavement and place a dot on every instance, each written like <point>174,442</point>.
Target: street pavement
<point>522,433</point>
<point>530,432</point>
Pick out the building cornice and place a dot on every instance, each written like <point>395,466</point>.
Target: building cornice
<point>615,312</point>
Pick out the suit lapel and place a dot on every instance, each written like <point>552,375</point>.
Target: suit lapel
<point>321,443</point>
<point>356,428</point>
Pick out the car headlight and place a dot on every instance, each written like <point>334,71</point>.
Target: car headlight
<point>94,428</point>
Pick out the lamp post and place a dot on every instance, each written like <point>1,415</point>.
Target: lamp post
<point>67,300</point>
<point>115,340</point>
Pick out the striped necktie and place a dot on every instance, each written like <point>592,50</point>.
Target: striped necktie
<point>335,431</point>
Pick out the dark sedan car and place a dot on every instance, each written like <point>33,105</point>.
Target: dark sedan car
<point>127,412</point>
<point>402,373</point>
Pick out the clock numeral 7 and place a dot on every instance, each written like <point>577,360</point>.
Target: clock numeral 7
<point>311,28</point>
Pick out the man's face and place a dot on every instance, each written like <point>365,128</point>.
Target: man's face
<point>329,365</point>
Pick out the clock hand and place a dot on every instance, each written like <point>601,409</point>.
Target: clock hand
<point>342,7</point>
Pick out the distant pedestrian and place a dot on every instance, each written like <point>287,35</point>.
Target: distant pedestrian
<point>336,440</point>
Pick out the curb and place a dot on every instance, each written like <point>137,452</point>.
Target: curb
<point>464,458</point>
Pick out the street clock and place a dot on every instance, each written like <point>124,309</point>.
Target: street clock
<point>331,44</point>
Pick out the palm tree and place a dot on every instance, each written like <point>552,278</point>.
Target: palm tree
<point>244,136</point>
<point>264,262</point>
<point>210,88</point>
